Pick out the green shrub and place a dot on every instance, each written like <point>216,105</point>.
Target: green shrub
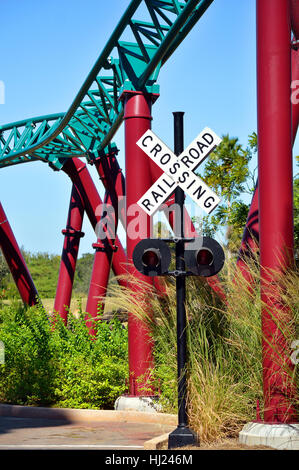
<point>60,366</point>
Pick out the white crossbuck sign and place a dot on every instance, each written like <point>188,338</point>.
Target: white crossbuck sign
<point>179,171</point>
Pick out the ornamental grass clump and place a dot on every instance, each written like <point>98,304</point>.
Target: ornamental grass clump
<point>224,345</point>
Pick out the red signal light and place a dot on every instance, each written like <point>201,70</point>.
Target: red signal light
<point>151,258</point>
<point>204,257</point>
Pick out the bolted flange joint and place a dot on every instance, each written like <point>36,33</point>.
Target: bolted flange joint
<point>100,246</point>
<point>70,232</point>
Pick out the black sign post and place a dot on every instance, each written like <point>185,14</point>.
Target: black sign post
<point>182,435</point>
<point>152,258</point>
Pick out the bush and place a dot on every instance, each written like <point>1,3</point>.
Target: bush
<point>60,366</point>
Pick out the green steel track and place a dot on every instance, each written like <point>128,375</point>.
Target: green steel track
<point>93,118</point>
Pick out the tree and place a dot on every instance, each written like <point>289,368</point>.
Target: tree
<point>44,269</point>
<point>227,172</point>
<point>83,273</point>
<point>161,230</point>
<point>7,286</point>
<point>4,271</point>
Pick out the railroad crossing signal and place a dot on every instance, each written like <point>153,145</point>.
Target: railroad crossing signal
<point>152,257</point>
<point>179,171</point>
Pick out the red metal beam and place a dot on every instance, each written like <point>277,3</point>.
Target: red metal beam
<point>137,118</point>
<point>72,235</point>
<point>98,285</point>
<point>81,178</point>
<point>114,182</point>
<point>275,201</point>
<point>295,18</point>
<point>105,248</point>
<point>250,239</point>
<point>16,262</point>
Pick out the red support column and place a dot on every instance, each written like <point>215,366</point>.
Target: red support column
<point>98,284</point>
<point>72,235</point>
<point>16,262</point>
<point>295,18</point>
<point>137,117</point>
<point>275,201</point>
<point>105,249</point>
<point>114,182</point>
<point>250,239</point>
<point>295,102</point>
<point>110,175</point>
<point>79,174</point>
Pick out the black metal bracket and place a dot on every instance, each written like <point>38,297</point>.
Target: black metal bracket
<point>178,239</point>
<point>178,273</point>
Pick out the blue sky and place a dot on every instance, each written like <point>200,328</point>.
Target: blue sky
<point>47,49</point>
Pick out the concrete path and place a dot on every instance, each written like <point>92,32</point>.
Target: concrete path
<point>79,431</point>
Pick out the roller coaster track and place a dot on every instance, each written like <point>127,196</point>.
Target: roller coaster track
<point>93,118</point>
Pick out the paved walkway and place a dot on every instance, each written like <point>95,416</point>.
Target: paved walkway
<point>36,433</point>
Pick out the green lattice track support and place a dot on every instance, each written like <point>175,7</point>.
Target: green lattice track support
<point>96,113</point>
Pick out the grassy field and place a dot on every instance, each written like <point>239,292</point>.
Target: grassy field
<point>76,302</point>
<point>75,305</point>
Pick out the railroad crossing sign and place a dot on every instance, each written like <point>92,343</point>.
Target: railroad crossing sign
<point>179,171</point>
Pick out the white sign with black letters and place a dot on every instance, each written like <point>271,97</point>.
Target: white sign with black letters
<point>179,171</point>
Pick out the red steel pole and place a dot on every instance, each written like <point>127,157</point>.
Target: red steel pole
<point>80,176</point>
<point>72,235</point>
<point>250,239</point>
<point>295,102</point>
<point>295,18</point>
<point>16,262</point>
<point>98,284</point>
<point>114,182</point>
<point>105,248</point>
<point>275,201</point>
<point>137,117</point>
